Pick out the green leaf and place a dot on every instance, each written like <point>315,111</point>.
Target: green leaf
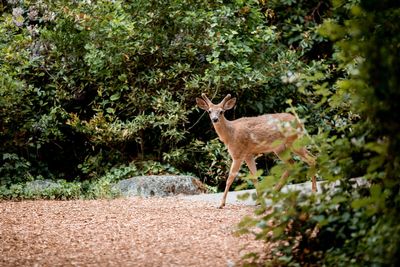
<point>110,110</point>
<point>115,97</point>
<point>338,199</point>
<point>360,203</point>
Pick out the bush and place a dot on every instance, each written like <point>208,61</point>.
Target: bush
<point>86,86</point>
<point>348,226</point>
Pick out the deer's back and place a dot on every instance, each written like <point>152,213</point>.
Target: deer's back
<point>256,135</point>
<point>267,122</point>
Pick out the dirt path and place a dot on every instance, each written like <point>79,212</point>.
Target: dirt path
<point>121,232</point>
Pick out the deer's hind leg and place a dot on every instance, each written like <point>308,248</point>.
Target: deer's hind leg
<point>251,164</point>
<point>285,175</point>
<point>306,156</point>
<point>288,162</point>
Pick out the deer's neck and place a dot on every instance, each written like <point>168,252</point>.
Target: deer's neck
<point>224,130</point>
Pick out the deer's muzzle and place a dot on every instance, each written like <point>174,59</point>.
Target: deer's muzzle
<point>214,119</point>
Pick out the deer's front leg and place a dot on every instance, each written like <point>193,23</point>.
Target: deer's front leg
<point>232,174</point>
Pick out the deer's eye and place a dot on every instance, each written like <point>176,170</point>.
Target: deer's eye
<point>209,111</point>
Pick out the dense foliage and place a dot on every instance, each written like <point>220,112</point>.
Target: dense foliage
<point>96,91</point>
<point>90,85</point>
<point>349,225</point>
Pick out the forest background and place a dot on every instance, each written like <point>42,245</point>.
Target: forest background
<point>92,92</point>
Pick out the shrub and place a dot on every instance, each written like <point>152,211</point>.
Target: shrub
<point>86,86</point>
<point>348,226</point>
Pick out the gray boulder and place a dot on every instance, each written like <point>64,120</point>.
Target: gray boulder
<point>38,186</point>
<point>155,185</point>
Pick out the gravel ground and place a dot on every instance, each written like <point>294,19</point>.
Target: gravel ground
<point>122,232</point>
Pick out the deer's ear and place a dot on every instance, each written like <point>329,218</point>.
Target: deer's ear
<point>230,103</point>
<point>201,103</point>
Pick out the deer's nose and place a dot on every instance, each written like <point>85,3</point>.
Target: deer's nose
<point>214,120</point>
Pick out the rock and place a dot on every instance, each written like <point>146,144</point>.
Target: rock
<point>165,185</point>
<point>38,186</point>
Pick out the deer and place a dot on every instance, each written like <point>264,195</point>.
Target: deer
<point>247,137</point>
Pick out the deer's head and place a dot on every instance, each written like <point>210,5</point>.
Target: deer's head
<point>215,111</point>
